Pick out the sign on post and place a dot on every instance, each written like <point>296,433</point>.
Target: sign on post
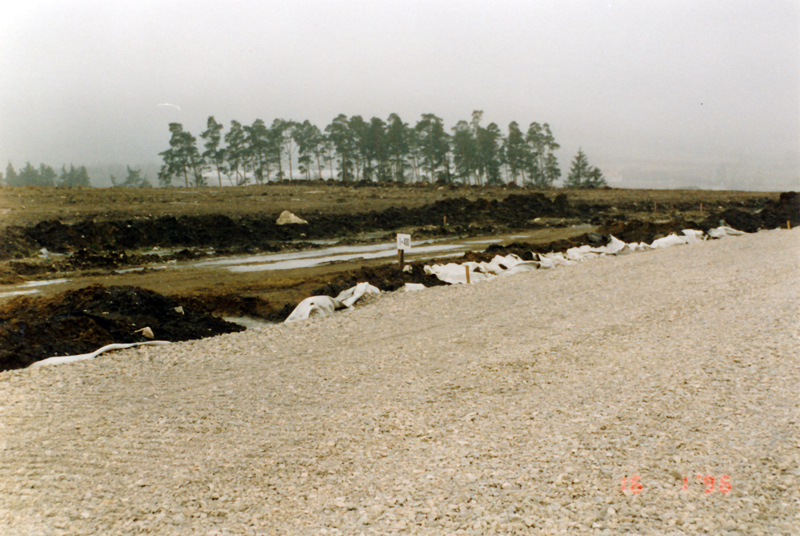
<point>403,242</point>
<point>403,245</point>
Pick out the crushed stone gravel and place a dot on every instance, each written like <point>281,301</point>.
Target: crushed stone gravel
<point>513,406</point>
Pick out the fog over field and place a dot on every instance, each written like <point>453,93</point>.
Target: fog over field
<point>657,94</point>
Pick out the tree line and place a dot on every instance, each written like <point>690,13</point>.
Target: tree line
<point>45,175</point>
<point>353,149</point>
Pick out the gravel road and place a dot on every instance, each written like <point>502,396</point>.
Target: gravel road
<point>515,406</point>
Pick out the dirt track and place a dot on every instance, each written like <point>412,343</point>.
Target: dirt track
<point>514,406</point>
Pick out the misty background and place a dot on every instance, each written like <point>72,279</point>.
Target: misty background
<point>666,94</point>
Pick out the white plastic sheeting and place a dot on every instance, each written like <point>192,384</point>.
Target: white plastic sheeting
<point>313,306</point>
<point>411,287</point>
<point>82,357</point>
<point>481,271</point>
<point>350,296</point>
<point>500,265</point>
<point>325,305</point>
<point>722,232</point>
<point>503,265</point>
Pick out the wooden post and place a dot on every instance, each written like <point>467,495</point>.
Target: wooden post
<point>466,268</point>
<point>789,224</point>
<point>701,207</point>
<point>444,224</point>
<point>403,242</point>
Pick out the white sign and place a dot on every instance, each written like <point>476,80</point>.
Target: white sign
<point>403,242</point>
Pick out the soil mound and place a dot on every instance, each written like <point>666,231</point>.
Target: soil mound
<point>84,259</point>
<point>525,250</point>
<point>81,321</point>
<point>235,305</point>
<point>775,214</point>
<point>645,231</point>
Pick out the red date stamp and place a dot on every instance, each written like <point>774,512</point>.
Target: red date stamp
<point>710,483</point>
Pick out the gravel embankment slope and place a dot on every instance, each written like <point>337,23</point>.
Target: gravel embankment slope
<point>512,407</point>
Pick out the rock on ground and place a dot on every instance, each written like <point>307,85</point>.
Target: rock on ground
<point>514,406</point>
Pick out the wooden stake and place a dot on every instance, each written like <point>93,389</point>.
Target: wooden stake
<point>444,224</point>
<point>402,258</point>
<point>467,270</point>
<point>701,207</point>
<point>789,224</point>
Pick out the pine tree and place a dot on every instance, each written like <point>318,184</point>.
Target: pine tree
<point>578,171</point>
<point>73,177</point>
<point>181,158</point>
<point>236,153</point>
<point>434,146</point>
<point>517,152</point>
<point>214,154</point>
<point>344,145</point>
<point>582,175</point>
<point>464,152</point>
<point>397,147</point>
<point>12,179</point>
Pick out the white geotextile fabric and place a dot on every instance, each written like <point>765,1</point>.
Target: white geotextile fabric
<point>411,287</point>
<point>350,296</point>
<point>313,306</point>
<point>722,232</point>
<point>325,305</point>
<point>81,357</point>
<point>501,265</point>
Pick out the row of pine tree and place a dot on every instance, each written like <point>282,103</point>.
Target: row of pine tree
<point>349,149</point>
<point>45,175</point>
<point>352,149</point>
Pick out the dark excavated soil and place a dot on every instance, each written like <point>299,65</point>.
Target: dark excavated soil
<point>225,234</point>
<point>81,321</point>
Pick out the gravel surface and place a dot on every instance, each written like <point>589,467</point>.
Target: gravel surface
<point>515,406</point>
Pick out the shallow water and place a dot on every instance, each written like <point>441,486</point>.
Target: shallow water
<point>317,257</point>
<point>25,288</point>
<point>307,261</point>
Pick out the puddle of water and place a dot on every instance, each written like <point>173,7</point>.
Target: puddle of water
<point>490,241</point>
<point>18,293</point>
<point>344,253</point>
<point>317,241</point>
<point>28,285</point>
<point>140,269</point>
<point>43,283</point>
<point>274,257</point>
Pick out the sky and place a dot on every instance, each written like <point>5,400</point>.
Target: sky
<point>666,93</point>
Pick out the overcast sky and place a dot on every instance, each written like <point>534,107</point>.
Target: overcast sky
<point>667,92</point>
